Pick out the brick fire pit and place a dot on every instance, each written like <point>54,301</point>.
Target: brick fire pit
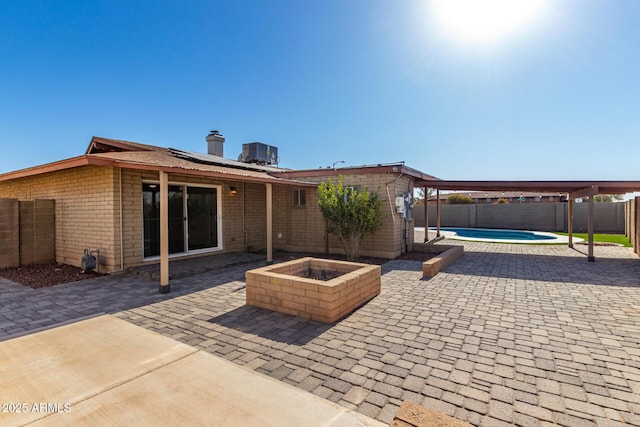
<point>315,288</point>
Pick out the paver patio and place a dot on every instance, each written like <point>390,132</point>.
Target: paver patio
<point>508,334</point>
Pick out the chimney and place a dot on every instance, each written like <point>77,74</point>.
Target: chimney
<point>215,142</point>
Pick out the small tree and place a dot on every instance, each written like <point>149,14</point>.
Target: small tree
<point>419,196</point>
<point>350,214</point>
<point>459,199</point>
<point>607,198</point>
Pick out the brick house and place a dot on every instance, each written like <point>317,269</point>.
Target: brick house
<point>109,199</point>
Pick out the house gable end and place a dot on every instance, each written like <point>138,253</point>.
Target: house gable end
<point>106,145</point>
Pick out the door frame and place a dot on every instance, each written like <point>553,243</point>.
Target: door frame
<point>185,186</point>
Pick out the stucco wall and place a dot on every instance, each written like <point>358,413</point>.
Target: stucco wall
<point>608,217</point>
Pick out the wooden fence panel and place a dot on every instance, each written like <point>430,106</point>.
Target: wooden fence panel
<point>9,235</point>
<point>37,231</point>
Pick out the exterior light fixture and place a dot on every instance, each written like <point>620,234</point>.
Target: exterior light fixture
<point>233,190</point>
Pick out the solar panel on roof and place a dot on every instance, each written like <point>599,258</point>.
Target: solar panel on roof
<point>220,161</point>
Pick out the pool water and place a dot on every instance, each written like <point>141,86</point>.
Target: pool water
<point>499,235</point>
<point>485,233</point>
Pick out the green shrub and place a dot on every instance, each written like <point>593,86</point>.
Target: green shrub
<point>350,214</point>
<point>459,199</point>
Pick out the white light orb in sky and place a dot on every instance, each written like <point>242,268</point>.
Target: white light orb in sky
<point>485,22</point>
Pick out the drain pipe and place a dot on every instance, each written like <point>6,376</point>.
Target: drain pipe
<point>121,226</point>
<point>244,224</point>
<point>393,216</point>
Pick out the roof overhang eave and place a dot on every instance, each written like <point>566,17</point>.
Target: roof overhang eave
<point>70,163</point>
<point>176,170</point>
<point>89,160</point>
<point>604,187</point>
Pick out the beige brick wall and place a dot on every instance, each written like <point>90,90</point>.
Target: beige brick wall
<point>303,228</point>
<point>283,288</point>
<point>87,214</point>
<point>84,209</point>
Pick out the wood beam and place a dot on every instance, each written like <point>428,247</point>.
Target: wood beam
<point>570,223</point>
<point>590,257</point>
<point>426,214</point>
<point>584,192</point>
<point>269,192</point>
<point>438,212</point>
<point>164,233</point>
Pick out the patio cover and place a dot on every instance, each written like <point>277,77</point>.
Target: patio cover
<point>573,189</point>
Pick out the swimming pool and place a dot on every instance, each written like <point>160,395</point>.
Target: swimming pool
<point>501,235</point>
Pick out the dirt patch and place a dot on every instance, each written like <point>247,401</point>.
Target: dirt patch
<point>316,274</point>
<point>44,275</point>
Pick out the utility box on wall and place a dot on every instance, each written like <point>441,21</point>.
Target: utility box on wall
<point>404,206</point>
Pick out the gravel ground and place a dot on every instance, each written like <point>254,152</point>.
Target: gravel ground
<point>44,275</point>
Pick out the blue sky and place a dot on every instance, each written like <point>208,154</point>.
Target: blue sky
<point>365,81</point>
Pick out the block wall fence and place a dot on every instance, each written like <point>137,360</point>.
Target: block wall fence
<point>27,232</point>
<point>609,217</point>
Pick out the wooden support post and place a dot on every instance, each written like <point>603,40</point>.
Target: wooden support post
<point>570,223</point>
<point>269,223</point>
<point>589,192</point>
<point>437,212</point>
<point>426,214</point>
<point>590,257</point>
<point>164,234</point>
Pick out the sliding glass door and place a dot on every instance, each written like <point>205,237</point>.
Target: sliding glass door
<point>193,220</point>
<point>202,214</point>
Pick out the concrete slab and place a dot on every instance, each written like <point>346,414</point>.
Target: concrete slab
<point>105,371</point>
<point>77,361</point>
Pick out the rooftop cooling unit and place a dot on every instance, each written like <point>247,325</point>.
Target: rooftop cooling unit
<point>257,152</point>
